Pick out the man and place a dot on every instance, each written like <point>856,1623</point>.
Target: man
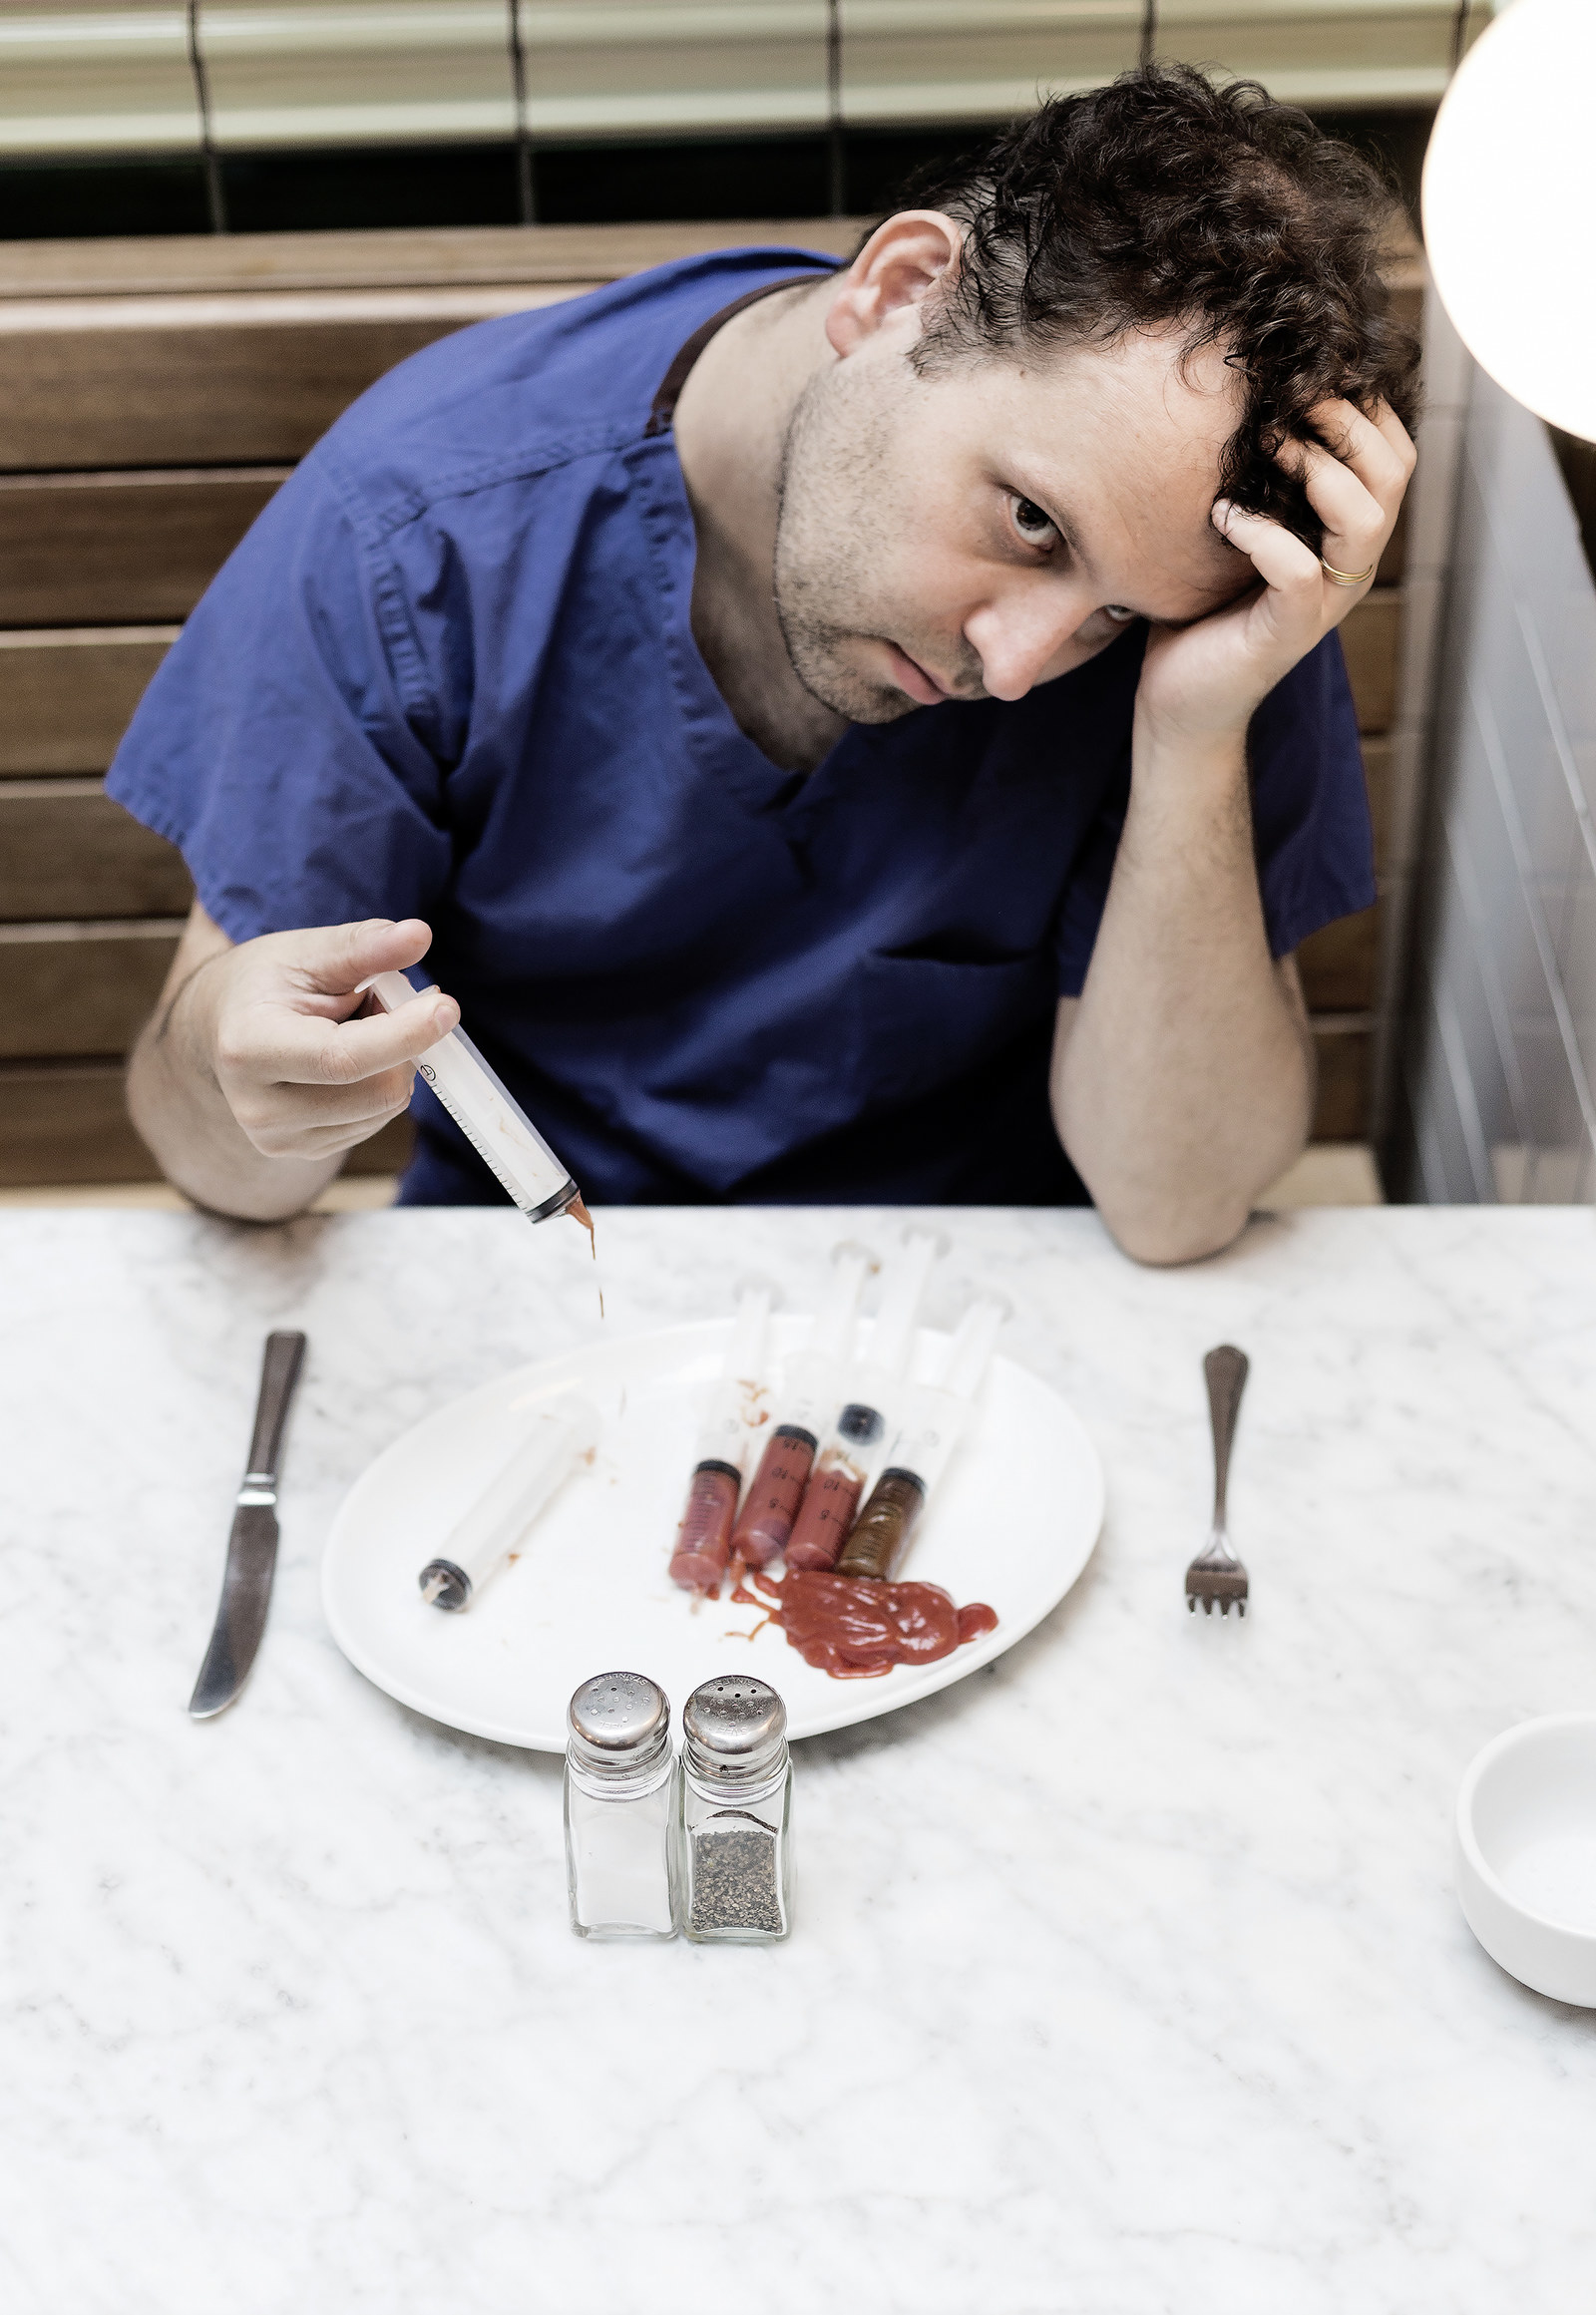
<point>837,735</point>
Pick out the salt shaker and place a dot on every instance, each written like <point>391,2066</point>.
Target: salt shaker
<point>736,1806</point>
<point>620,1808</point>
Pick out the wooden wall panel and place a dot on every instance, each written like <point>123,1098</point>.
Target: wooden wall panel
<point>194,395</point>
<point>1338,964</point>
<point>1345,1046</point>
<point>67,694</point>
<point>414,257</point>
<point>68,1121</point>
<point>1378,771</point>
<point>69,989</point>
<point>66,849</point>
<point>86,549</point>
<point>1368,639</point>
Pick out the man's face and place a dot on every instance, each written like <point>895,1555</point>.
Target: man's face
<point>963,536</point>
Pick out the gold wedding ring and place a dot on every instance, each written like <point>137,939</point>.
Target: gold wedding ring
<point>1347,578</point>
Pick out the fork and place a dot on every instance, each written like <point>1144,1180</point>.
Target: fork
<point>1216,1573</point>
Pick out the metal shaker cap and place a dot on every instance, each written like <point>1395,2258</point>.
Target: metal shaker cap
<point>618,1720</point>
<point>735,1727</point>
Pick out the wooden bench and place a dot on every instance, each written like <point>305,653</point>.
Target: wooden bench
<point>152,396</point>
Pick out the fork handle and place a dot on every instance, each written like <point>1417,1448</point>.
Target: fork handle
<point>1226,1369</point>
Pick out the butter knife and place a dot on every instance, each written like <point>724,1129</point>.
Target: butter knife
<point>253,1545</point>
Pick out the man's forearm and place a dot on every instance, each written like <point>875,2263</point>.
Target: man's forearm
<point>1184,1081</point>
<point>182,1114</point>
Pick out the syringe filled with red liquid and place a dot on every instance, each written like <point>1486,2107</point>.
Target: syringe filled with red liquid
<point>811,1393</point>
<point>854,1451</point>
<point>704,1540</point>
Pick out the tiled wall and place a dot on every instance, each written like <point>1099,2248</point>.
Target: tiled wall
<point>1500,1047</point>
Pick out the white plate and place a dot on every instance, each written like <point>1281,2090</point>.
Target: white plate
<point>1014,1524</point>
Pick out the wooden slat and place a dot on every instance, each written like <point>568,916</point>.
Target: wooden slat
<point>66,849</point>
<point>1369,635</point>
<point>206,392</point>
<point>1395,560</point>
<point>1343,1043</point>
<point>66,694</point>
<point>82,550</point>
<point>410,258</point>
<point>1379,765</point>
<point>68,1122</point>
<point>67,989</point>
<point>1338,964</point>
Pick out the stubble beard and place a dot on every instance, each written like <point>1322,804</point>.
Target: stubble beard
<point>822,576</point>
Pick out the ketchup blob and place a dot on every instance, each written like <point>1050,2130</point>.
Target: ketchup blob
<point>852,1628</point>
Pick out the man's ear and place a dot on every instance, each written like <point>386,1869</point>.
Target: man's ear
<point>902,261</point>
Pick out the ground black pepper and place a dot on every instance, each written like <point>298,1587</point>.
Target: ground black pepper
<point>733,1875</point>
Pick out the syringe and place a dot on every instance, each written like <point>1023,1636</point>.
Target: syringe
<point>860,1431</point>
<point>704,1540</point>
<point>934,1420</point>
<point>557,1439</point>
<point>490,1117</point>
<point>811,1393</point>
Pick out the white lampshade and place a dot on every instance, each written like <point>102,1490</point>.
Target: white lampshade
<point>1510,206</point>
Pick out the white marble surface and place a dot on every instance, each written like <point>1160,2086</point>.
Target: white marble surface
<point>1128,1975</point>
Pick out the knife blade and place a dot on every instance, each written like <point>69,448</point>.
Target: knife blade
<point>252,1542</point>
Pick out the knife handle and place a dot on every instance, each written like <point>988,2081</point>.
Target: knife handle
<point>279,1372</point>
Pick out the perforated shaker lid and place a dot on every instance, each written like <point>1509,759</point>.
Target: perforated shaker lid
<point>736,1726</point>
<point>618,1720</point>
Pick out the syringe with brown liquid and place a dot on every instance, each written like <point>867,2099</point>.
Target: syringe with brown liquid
<point>934,1417</point>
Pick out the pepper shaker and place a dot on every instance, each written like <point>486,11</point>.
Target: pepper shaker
<point>736,1807</point>
<point>620,1808</point>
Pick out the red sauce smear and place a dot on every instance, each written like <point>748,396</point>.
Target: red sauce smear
<point>856,1629</point>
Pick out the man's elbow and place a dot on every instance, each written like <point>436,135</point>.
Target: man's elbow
<point>1163,1240</point>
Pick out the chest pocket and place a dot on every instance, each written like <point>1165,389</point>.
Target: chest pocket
<point>921,1022</point>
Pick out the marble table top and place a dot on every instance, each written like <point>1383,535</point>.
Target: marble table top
<point>1128,1975</point>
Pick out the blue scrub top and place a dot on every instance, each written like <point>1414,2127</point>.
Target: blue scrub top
<point>451,673</point>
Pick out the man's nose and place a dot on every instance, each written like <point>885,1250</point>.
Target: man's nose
<point>1019,637</point>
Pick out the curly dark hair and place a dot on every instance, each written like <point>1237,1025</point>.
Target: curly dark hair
<point>1162,199</point>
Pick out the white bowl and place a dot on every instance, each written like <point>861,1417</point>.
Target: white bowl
<point>1526,1853</point>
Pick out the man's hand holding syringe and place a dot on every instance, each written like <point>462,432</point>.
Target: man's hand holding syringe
<point>268,1063</point>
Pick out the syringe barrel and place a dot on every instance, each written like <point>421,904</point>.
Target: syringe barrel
<point>556,1437</point>
<point>932,1423</point>
<point>832,1332</point>
<point>487,1113</point>
<point>891,1338</point>
<point>735,1399</point>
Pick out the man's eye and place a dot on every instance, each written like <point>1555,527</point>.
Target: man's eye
<point>1118,613</point>
<point>1035,527</point>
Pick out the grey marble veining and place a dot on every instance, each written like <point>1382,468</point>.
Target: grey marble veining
<point>1127,1977</point>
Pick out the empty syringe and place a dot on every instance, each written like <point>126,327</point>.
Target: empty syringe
<point>556,1437</point>
<point>490,1117</point>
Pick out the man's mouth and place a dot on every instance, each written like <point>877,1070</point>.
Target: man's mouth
<point>909,677</point>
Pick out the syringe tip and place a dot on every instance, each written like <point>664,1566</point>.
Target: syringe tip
<point>431,1589</point>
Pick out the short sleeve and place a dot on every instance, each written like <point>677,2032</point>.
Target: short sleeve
<point>1311,834</point>
<point>282,745</point>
